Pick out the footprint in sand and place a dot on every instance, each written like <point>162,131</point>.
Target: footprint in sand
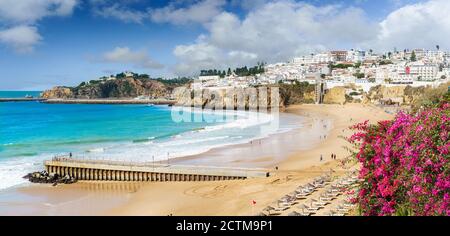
<point>206,191</point>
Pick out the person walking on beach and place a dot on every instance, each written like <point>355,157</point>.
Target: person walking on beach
<point>321,158</point>
<point>70,154</point>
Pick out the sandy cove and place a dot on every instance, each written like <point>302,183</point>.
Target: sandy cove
<point>222,197</point>
<point>235,197</point>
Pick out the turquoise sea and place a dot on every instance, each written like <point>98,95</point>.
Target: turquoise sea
<point>31,132</point>
<point>19,94</point>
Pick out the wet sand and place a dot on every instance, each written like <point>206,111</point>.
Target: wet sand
<point>295,153</point>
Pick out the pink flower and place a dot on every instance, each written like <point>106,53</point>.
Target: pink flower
<point>405,163</point>
<point>417,189</point>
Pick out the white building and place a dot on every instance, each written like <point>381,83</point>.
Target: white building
<point>313,59</point>
<point>356,56</point>
<point>208,77</point>
<point>424,72</point>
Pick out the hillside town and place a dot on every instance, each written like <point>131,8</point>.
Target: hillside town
<point>362,69</point>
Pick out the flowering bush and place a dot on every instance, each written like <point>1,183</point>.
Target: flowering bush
<point>405,164</point>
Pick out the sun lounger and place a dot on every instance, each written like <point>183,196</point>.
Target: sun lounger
<point>305,210</point>
<point>347,204</point>
<point>334,213</point>
<point>279,208</point>
<point>319,203</point>
<point>328,194</point>
<point>295,213</point>
<point>284,205</point>
<point>318,184</point>
<point>308,208</point>
<point>271,211</point>
<point>326,199</point>
<point>304,190</point>
<point>302,195</point>
<point>342,209</point>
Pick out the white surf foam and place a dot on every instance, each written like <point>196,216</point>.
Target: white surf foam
<point>243,129</point>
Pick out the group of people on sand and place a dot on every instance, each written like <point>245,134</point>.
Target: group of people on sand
<point>333,157</point>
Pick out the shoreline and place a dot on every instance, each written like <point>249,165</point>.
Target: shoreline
<point>214,198</point>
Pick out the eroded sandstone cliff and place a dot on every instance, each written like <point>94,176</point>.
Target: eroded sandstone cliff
<point>117,88</point>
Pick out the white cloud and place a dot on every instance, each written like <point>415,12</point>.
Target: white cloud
<point>276,31</point>
<point>125,55</point>
<point>279,30</point>
<point>22,37</point>
<point>30,11</point>
<point>19,17</point>
<point>200,12</point>
<point>118,9</point>
<point>421,25</point>
<point>121,13</point>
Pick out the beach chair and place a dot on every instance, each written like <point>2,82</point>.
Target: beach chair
<point>271,211</point>
<point>337,185</point>
<point>295,213</point>
<point>310,209</point>
<point>303,190</point>
<point>334,213</point>
<point>310,186</point>
<point>280,207</point>
<point>304,210</point>
<point>319,203</point>
<point>334,190</point>
<point>326,178</point>
<point>347,204</point>
<point>325,198</point>
<point>289,198</point>
<point>318,184</point>
<point>342,209</point>
<point>300,196</point>
<point>331,194</point>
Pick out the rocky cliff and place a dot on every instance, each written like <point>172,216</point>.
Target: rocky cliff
<point>381,93</point>
<point>237,98</point>
<point>405,95</point>
<point>297,93</point>
<point>58,92</point>
<point>115,88</point>
<point>335,95</point>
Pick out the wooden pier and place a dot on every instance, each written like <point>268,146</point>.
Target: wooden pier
<point>98,170</point>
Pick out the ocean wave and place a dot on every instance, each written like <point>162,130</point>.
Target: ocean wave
<point>242,129</point>
<point>13,169</point>
<point>96,150</point>
<point>144,140</point>
<point>191,141</point>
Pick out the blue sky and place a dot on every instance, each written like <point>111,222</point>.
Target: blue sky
<point>65,42</point>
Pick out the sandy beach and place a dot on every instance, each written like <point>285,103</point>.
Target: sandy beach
<point>295,153</point>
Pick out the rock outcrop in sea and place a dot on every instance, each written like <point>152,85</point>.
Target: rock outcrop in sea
<point>44,177</point>
<point>114,87</point>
